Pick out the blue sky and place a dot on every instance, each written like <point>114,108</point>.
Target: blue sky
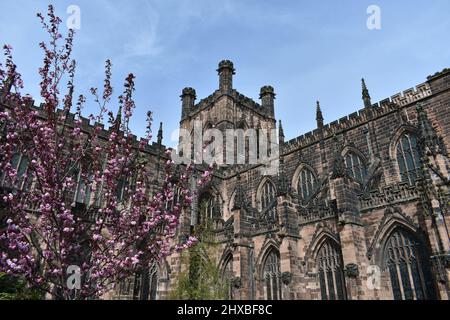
<point>307,50</point>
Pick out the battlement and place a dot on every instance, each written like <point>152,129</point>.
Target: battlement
<point>361,116</point>
<point>226,71</point>
<point>234,94</point>
<point>88,126</point>
<point>445,71</point>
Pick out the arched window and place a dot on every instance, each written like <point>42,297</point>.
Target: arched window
<point>355,166</point>
<point>408,158</point>
<point>408,267</point>
<point>330,271</point>
<point>268,196</point>
<point>128,288</point>
<point>306,184</point>
<point>228,276</point>
<point>209,207</point>
<point>153,282</point>
<point>83,193</point>
<point>19,162</point>
<point>272,276</point>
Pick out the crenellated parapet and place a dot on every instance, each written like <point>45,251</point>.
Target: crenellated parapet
<point>411,95</point>
<point>360,117</point>
<point>226,72</point>
<point>438,74</point>
<point>87,126</point>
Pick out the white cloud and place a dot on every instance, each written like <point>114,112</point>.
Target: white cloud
<point>144,41</point>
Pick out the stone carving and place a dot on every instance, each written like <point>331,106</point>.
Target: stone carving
<point>286,277</point>
<point>441,263</point>
<point>236,282</point>
<point>351,270</point>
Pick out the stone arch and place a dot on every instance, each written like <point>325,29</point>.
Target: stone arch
<point>225,124</point>
<point>269,272</point>
<point>321,236</point>
<point>348,148</point>
<point>329,267</point>
<point>296,176</point>
<point>231,201</point>
<point>403,257</point>
<point>211,192</point>
<point>359,166</point>
<point>208,125</point>
<point>396,137</point>
<point>261,185</point>
<point>392,220</point>
<point>227,272</point>
<point>268,246</point>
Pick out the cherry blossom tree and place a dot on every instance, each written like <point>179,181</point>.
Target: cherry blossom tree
<point>123,221</point>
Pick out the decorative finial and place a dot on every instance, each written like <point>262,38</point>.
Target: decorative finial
<point>160,133</point>
<point>118,120</point>
<point>226,71</point>
<point>267,96</point>
<point>429,142</point>
<point>319,116</point>
<point>280,132</point>
<point>365,94</point>
<point>188,96</point>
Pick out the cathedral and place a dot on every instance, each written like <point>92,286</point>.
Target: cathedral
<point>358,208</point>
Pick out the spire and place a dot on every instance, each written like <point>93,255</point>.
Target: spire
<point>365,94</point>
<point>118,120</point>
<point>429,142</point>
<point>280,133</point>
<point>319,116</point>
<point>160,133</point>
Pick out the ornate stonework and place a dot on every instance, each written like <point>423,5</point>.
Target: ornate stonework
<point>366,192</point>
<point>357,210</point>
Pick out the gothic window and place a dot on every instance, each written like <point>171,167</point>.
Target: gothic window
<point>83,193</point>
<point>20,164</point>
<point>153,282</point>
<point>408,267</point>
<point>355,166</point>
<point>271,276</point>
<point>176,199</point>
<point>228,276</point>
<point>330,271</point>
<point>306,184</point>
<point>126,289</point>
<point>268,196</point>
<point>209,207</point>
<point>408,158</point>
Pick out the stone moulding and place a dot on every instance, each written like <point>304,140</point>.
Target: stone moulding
<point>389,195</point>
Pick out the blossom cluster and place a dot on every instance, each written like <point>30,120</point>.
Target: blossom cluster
<point>72,196</point>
